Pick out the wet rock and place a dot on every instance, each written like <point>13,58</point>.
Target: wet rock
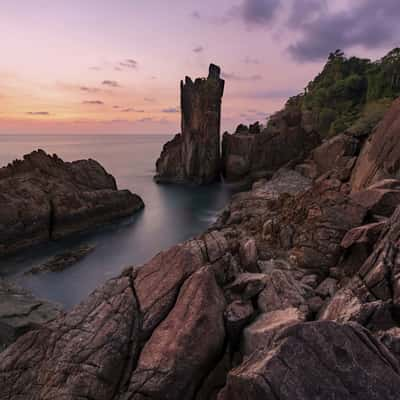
<point>194,156</point>
<point>62,261</point>
<point>317,360</point>
<point>44,198</point>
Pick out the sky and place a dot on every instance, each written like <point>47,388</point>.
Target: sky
<point>114,66</point>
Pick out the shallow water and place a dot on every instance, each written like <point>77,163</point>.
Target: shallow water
<point>172,213</point>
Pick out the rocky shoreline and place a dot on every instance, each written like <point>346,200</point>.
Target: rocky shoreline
<point>292,294</point>
<point>44,198</point>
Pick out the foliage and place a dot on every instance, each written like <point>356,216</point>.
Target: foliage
<point>350,93</point>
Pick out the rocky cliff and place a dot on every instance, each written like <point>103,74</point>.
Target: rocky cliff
<point>254,153</point>
<point>294,293</point>
<point>349,96</point>
<point>194,155</point>
<point>44,198</point>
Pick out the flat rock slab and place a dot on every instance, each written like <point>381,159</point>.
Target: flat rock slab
<point>314,361</point>
<point>21,312</point>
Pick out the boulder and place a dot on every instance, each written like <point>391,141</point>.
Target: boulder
<point>318,360</point>
<point>44,198</point>
<point>281,291</point>
<point>259,334</point>
<point>380,155</point>
<point>194,155</point>
<point>237,315</point>
<point>378,200</point>
<point>334,153</point>
<point>174,361</point>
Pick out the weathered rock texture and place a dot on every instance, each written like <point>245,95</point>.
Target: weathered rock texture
<point>250,154</point>
<point>194,155</point>
<point>380,157</point>
<point>21,312</point>
<point>259,307</point>
<point>294,293</point>
<point>44,198</point>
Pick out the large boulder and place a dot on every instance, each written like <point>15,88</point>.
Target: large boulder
<point>194,156</point>
<point>319,360</point>
<point>44,198</point>
<point>185,345</point>
<point>380,156</point>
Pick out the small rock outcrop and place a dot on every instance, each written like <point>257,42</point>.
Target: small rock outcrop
<point>251,153</point>
<point>194,155</point>
<point>44,198</point>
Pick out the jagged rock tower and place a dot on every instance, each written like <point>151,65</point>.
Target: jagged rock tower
<point>194,156</point>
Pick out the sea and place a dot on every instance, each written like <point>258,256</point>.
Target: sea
<point>172,214</point>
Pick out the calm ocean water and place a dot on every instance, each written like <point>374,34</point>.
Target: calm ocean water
<point>172,213</point>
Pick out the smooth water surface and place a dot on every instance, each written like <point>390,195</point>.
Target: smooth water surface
<point>172,214</point>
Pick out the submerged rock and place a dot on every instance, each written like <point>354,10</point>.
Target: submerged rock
<point>62,261</point>
<point>44,198</point>
<point>194,155</point>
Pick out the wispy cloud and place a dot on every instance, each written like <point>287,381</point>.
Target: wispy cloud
<point>109,83</point>
<point>93,102</point>
<point>88,89</point>
<point>149,99</point>
<point>235,77</point>
<point>129,63</point>
<point>38,113</point>
<point>126,110</point>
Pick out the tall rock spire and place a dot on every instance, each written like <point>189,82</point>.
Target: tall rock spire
<point>194,155</point>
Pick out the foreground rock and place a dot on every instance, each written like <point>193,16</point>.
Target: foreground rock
<point>194,155</point>
<point>21,312</point>
<point>294,293</point>
<point>317,361</point>
<point>44,198</point>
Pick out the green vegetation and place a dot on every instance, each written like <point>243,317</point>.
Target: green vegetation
<point>350,93</point>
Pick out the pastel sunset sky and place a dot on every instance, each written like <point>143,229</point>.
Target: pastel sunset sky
<point>114,66</point>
